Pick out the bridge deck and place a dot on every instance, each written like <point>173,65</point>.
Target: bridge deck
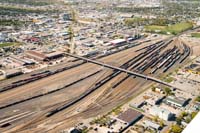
<point>122,70</point>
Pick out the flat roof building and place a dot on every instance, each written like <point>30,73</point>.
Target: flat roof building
<point>152,125</point>
<point>118,41</point>
<point>130,116</point>
<point>176,101</point>
<point>161,113</point>
<point>54,55</point>
<point>39,56</point>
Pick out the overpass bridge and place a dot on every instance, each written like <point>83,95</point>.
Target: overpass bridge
<point>122,70</point>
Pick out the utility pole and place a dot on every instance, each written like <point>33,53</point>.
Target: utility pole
<point>71,39</point>
<point>71,31</point>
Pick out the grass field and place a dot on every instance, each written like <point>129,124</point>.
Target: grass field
<point>172,29</point>
<point>5,22</point>
<point>6,44</point>
<point>29,2</point>
<point>197,35</point>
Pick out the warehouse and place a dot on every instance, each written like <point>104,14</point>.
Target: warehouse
<point>36,55</point>
<point>118,41</point>
<point>176,102</point>
<point>54,55</point>
<point>21,61</point>
<point>161,113</point>
<point>129,117</point>
<point>39,56</point>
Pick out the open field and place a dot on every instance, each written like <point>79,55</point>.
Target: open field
<point>29,2</point>
<point>14,10</point>
<point>9,44</point>
<point>197,35</point>
<point>5,22</point>
<point>172,29</point>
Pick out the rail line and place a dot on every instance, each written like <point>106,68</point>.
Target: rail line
<point>50,92</point>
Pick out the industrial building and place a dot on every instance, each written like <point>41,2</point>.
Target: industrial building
<point>161,113</point>
<point>21,61</point>
<point>118,41</point>
<point>151,125</point>
<point>154,98</point>
<point>39,56</point>
<point>176,101</point>
<point>129,117</point>
<point>36,55</point>
<point>54,55</point>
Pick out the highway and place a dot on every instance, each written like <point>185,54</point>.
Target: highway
<point>122,70</point>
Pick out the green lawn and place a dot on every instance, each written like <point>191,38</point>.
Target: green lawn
<point>169,79</point>
<point>8,44</point>
<point>197,35</point>
<point>172,29</point>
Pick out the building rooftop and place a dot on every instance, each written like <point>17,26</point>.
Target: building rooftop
<point>158,110</point>
<point>176,100</point>
<point>129,116</point>
<point>152,124</point>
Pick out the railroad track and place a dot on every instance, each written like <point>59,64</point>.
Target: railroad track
<point>126,65</point>
<point>41,75</point>
<point>119,83</point>
<point>7,121</point>
<point>50,92</point>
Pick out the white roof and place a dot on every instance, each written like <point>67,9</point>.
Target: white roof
<point>106,44</point>
<point>117,41</point>
<point>151,124</point>
<point>158,110</point>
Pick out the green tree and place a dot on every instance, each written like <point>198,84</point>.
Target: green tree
<point>183,114</point>
<point>197,99</point>
<point>167,90</point>
<point>188,119</point>
<point>193,114</point>
<point>176,129</point>
<point>178,120</point>
<point>153,88</point>
<point>162,124</point>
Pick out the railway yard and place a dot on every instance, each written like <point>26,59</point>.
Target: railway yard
<point>58,98</point>
<point>99,66</point>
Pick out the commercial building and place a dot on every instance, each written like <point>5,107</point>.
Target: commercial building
<point>129,117</point>
<point>161,113</point>
<point>176,101</point>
